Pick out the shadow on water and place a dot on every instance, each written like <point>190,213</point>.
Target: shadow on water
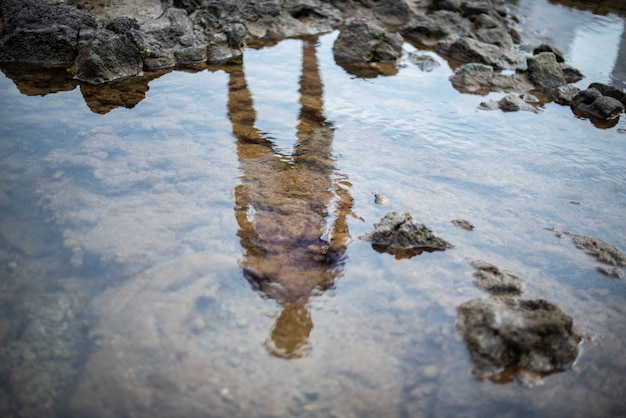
<point>294,247</point>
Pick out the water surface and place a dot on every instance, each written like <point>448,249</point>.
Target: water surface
<point>197,252</point>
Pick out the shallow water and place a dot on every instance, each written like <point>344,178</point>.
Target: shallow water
<point>199,253</point>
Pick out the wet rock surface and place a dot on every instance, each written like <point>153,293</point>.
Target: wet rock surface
<point>515,338</point>
<point>397,234</point>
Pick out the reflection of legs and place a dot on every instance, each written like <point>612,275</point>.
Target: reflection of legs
<point>290,333</point>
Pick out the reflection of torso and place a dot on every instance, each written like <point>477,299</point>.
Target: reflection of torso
<point>291,249</point>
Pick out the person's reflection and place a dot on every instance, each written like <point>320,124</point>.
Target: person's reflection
<point>293,241</point>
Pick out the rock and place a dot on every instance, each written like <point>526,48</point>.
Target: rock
<point>560,57</point>
<point>482,78</point>
<point>436,26</point>
<point>365,41</point>
<point>545,72</point>
<point>565,94</point>
<point>466,49</point>
<point>496,281</point>
<point>424,62</point>
<point>571,74</point>
<point>592,102</point>
<point>398,235</point>
<point>109,56</point>
<point>509,103</point>
<point>609,91</point>
<point>365,49</point>
<point>614,272</point>
<point>599,249</point>
<point>168,36</point>
<point>463,223</point>
<point>33,32</point>
<point>511,336</point>
<point>496,36</point>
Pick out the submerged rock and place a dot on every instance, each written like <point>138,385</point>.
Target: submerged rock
<point>496,281</point>
<point>509,337</point>
<point>397,234</point>
<point>603,252</point>
<point>463,223</point>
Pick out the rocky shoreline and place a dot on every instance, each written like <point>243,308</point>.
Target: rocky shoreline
<point>114,41</point>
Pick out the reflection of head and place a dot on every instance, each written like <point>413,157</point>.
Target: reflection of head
<point>293,239</point>
<point>290,333</point>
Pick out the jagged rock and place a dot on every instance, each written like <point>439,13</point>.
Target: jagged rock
<point>466,49</point>
<point>482,78</point>
<point>107,57</point>
<point>398,235</point>
<point>544,71</point>
<point>496,281</point>
<point>510,337</point>
<point>33,32</point>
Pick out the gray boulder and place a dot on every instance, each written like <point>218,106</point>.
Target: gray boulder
<point>544,71</point>
<point>510,337</point>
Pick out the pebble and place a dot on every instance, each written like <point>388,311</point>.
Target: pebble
<point>380,199</point>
